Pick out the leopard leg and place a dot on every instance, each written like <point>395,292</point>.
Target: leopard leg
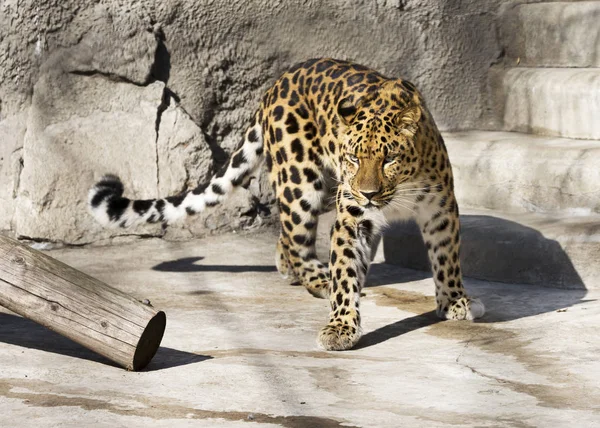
<point>351,243</point>
<point>440,226</point>
<point>296,252</point>
<point>282,257</point>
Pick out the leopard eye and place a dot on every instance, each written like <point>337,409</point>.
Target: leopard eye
<point>389,161</point>
<point>352,158</point>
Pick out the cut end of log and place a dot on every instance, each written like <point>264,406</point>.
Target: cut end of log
<point>149,342</point>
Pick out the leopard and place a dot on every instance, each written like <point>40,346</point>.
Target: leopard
<point>333,121</point>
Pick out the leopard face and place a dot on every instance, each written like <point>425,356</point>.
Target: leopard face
<point>378,148</point>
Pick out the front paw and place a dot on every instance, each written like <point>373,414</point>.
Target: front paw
<point>464,308</point>
<point>339,336</point>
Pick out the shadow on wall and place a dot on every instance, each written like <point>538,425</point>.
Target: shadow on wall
<point>533,273</point>
<point>19,331</point>
<point>493,249</point>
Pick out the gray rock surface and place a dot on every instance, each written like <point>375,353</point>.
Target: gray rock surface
<point>12,131</point>
<point>563,102</point>
<point>546,81</point>
<point>160,92</point>
<point>72,137</point>
<point>552,34</point>
<point>514,172</point>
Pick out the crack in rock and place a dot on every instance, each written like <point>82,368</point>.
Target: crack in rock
<point>165,102</point>
<point>110,76</point>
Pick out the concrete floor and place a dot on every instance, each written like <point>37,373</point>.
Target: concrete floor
<point>240,350</point>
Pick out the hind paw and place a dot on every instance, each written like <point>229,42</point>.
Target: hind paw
<point>464,308</point>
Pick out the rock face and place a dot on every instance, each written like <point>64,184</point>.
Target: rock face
<point>160,92</point>
<point>12,131</point>
<point>71,137</point>
<point>552,34</point>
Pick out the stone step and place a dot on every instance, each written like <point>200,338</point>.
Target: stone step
<point>516,172</point>
<point>531,248</point>
<point>561,102</point>
<point>556,34</point>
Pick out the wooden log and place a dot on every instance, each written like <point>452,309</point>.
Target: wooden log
<point>82,308</point>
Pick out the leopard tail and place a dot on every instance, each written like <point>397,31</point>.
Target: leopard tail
<point>108,206</point>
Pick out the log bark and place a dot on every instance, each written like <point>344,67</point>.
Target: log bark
<point>73,304</point>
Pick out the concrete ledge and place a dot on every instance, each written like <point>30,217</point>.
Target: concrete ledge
<point>509,171</point>
<point>536,249</point>
<point>549,101</point>
<point>556,34</point>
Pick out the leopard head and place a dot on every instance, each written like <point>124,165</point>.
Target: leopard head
<point>378,136</point>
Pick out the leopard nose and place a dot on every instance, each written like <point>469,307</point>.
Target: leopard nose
<point>369,195</point>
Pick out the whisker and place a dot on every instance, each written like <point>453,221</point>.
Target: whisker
<point>417,188</point>
<point>400,203</point>
<point>412,191</point>
<point>417,192</point>
<point>404,208</point>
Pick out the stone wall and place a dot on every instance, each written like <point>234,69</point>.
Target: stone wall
<point>159,92</point>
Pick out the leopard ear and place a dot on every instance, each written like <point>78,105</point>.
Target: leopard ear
<point>346,110</point>
<point>408,120</point>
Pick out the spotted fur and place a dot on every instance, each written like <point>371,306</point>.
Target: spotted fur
<point>326,121</point>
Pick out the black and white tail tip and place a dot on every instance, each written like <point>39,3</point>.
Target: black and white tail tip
<point>111,209</point>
